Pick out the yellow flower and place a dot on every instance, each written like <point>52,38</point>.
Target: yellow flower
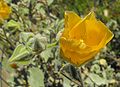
<point>5,10</point>
<point>82,38</point>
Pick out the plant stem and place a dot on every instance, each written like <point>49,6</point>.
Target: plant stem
<point>76,82</point>
<point>4,81</point>
<point>70,79</point>
<point>7,39</point>
<point>2,37</point>
<point>82,83</point>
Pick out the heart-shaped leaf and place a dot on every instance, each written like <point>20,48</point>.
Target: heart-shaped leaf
<point>21,52</point>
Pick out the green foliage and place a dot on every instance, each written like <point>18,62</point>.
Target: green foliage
<point>97,79</point>
<point>13,24</point>
<point>36,78</point>
<point>21,54</point>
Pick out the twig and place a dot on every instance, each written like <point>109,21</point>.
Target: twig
<point>2,37</point>
<point>30,11</point>
<point>82,83</point>
<point>19,17</point>
<point>47,11</point>
<point>1,55</point>
<point>5,81</point>
<point>7,39</point>
<point>60,71</point>
<point>70,79</point>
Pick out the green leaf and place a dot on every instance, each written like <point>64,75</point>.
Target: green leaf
<point>97,79</point>
<point>46,54</point>
<point>13,24</point>
<point>8,1</point>
<point>118,76</point>
<point>39,42</point>
<point>89,82</point>
<point>6,65</point>
<point>50,2</point>
<point>66,82</point>
<point>38,6</point>
<point>25,36</point>
<point>23,11</point>
<point>52,44</point>
<point>20,52</point>
<point>36,78</point>
<point>95,68</point>
<point>42,11</point>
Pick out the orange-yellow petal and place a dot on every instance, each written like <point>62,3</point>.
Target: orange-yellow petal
<point>94,33</point>
<point>71,19</point>
<point>79,30</point>
<point>78,59</point>
<point>5,10</point>
<point>90,16</point>
<point>108,35</point>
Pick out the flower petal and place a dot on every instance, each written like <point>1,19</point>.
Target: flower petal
<point>90,16</point>
<point>78,59</point>
<point>5,10</point>
<point>74,45</point>
<point>79,30</point>
<point>108,35</point>
<point>94,33</point>
<point>71,19</point>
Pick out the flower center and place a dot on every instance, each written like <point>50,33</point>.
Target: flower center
<point>82,45</point>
